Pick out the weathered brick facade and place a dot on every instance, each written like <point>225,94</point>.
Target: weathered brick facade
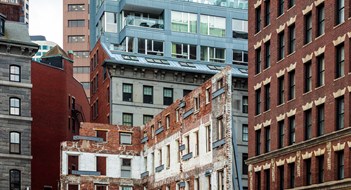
<point>303,106</point>
<point>189,145</point>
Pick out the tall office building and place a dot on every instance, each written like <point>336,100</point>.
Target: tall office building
<point>300,90</point>
<point>76,38</point>
<point>44,46</point>
<point>145,54</point>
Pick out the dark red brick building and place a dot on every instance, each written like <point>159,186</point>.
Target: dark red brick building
<point>299,94</point>
<point>59,104</point>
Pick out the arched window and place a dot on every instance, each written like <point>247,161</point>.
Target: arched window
<point>15,142</point>
<point>15,73</point>
<point>15,180</point>
<point>15,106</point>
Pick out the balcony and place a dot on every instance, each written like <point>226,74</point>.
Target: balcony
<point>187,156</point>
<point>143,22</point>
<point>96,139</point>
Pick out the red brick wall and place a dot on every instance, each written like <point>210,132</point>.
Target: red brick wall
<point>12,12</point>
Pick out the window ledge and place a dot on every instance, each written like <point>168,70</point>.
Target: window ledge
<point>258,115</point>
<point>23,118</point>
<point>280,105</point>
<point>291,7</point>
<point>266,69</point>
<point>266,26</point>
<point>282,59</point>
<point>319,87</point>
<point>339,78</point>
<point>267,111</point>
<point>307,92</point>
<point>338,25</point>
<point>320,36</point>
<point>290,100</point>
<point>305,45</point>
<point>280,16</point>
<point>291,54</point>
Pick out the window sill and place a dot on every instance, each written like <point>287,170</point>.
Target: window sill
<point>257,33</point>
<point>267,111</point>
<point>291,8</point>
<point>282,59</point>
<point>320,36</point>
<point>319,87</point>
<point>266,26</point>
<point>339,78</point>
<point>305,45</point>
<point>291,54</point>
<point>258,115</point>
<point>280,16</point>
<point>266,69</point>
<point>290,100</point>
<point>338,25</point>
<point>305,93</point>
<point>257,74</point>
<point>280,105</point>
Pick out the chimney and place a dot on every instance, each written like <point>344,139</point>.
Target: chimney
<point>71,55</point>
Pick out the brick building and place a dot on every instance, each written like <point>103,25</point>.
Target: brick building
<point>299,89</point>
<point>76,38</point>
<point>59,104</point>
<point>191,144</point>
<point>16,51</point>
<point>15,10</point>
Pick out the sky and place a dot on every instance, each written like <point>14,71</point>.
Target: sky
<point>45,18</point>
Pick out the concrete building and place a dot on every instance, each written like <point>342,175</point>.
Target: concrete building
<point>191,144</point>
<point>44,46</point>
<point>76,38</point>
<point>160,49</point>
<point>59,104</point>
<point>299,89</point>
<point>15,10</point>
<point>16,51</point>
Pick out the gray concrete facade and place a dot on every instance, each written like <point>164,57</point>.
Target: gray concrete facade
<point>15,50</point>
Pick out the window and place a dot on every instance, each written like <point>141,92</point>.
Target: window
<point>2,27</point>
<point>72,164</point>
<point>76,23</point>
<point>15,142</point>
<point>258,142</point>
<point>258,180</point>
<point>152,131</point>
<point>339,156</point>
<point>292,39</point>
<point>160,162</point>
<point>280,7</point>
<point>320,120</point>
<point>101,165</point>
<point>187,144</point>
<point>95,109</point>
<point>267,97</point>
<point>281,134</point>
<point>168,121</point>
<point>167,96</point>
<point>281,177</point>
<point>258,61</point>
<point>127,119</point>
<point>126,168</point>
<point>150,47</point>
<point>339,12</point>
<point>220,180</point>
<point>212,54</point>
<point>183,22</point>
<point>209,184</point>
<point>81,54</point>
<point>78,70</point>
<point>308,77</point>
<point>245,156</point>
<point>125,138</point>
<point>267,55</point>
<point>258,101</point>
<point>220,128</point>
<point>308,172</point>
<point>76,7</point>
<point>148,97</point>
<point>15,180</point>
<point>127,92</point>
<point>100,187</point>
<point>101,134</point>
<point>291,3</point>
<point>147,118</point>
<point>197,147</point>
<point>281,90</point>
<point>212,25</point>
<point>281,45</point>
<point>168,161</point>
<point>186,92</point>
<point>258,19</point>
<point>185,51</point>
<point>308,124</point>
<point>197,185</point>
<point>267,12</point>
<point>267,134</point>
<point>153,162</point>
<point>320,162</point>
<point>240,57</point>
<point>340,58</point>
<point>340,113</point>
<point>308,28</point>
<point>73,187</point>
<point>245,132</point>
<point>267,174</point>
<point>126,188</point>
<point>220,83</point>
<point>15,73</point>
<point>245,105</point>
<point>240,28</point>
<point>76,38</point>
<point>292,85</point>
<point>208,95</point>
<point>15,106</point>
<point>320,20</point>
<point>291,177</point>
<point>197,103</point>
<point>208,138</point>
<point>291,130</point>
<point>320,70</point>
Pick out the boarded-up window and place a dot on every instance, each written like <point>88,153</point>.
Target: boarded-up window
<point>102,134</point>
<point>101,165</point>
<point>125,138</point>
<point>73,163</point>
